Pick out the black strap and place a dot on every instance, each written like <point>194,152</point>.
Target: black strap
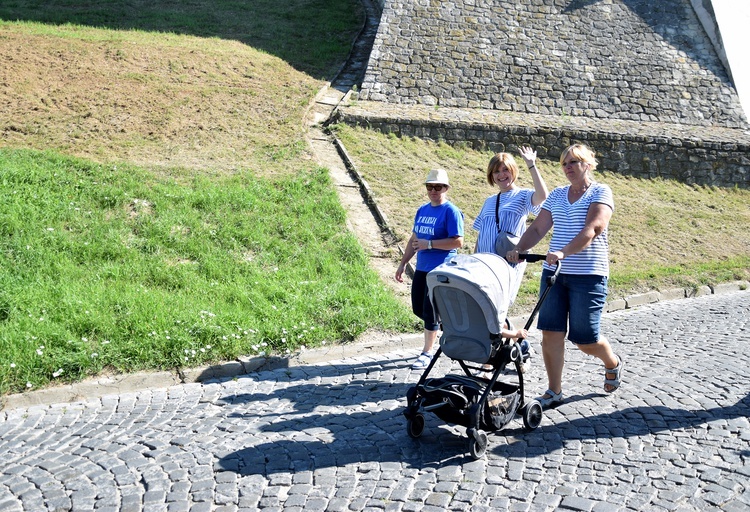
<point>497,208</point>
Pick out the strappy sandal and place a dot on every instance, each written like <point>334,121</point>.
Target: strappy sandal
<point>552,400</point>
<point>422,362</point>
<point>617,372</point>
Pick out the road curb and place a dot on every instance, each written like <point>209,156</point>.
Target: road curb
<point>379,344</point>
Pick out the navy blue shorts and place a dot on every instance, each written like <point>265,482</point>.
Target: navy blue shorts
<point>420,301</point>
<point>577,300</point>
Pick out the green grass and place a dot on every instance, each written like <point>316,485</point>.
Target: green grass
<point>160,207</point>
<point>310,35</point>
<point>112,268</point>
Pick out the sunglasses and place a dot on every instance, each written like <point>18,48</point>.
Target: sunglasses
<point>436,188</point>
<point>570,163</point>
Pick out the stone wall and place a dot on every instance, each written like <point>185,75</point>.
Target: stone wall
<point>702,155</point>
<point>637,80</point>
<point>639,60</point>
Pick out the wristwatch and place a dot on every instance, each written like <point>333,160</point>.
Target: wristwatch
<point>429,244</point>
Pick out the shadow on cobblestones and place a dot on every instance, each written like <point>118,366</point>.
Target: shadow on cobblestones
<point>633,422</point>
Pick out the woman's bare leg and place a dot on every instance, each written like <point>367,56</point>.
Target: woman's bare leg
<point>603,351</point>
<point>553,352</point>
<point>429,340</point>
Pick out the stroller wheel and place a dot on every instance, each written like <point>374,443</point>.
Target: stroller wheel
<point>477,443</point>
<point>532,415</point>
<point>415,426</point>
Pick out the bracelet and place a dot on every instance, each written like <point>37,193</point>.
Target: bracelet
<point>429,244</point>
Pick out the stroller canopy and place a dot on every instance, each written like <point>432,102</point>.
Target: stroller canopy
<point>485,277</point>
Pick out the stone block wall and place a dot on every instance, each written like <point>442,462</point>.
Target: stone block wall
<point>637,80</point>
<point>637,60</point>
<point>707,156</point>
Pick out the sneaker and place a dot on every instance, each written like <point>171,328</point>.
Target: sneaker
<point>525,347</point>
<point>525,356</point>
<point>526,365</point>
<point>422,362</point>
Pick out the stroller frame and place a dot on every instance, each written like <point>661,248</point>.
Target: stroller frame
<point>493,403</point>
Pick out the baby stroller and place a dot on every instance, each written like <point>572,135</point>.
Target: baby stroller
<point>470,294</point>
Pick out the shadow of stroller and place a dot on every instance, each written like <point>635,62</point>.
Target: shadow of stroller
<point>311,425</point>
<point>624,423</point>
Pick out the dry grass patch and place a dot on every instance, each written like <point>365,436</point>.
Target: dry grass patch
<point>196,103</point>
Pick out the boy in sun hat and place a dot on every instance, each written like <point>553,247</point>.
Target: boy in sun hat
<point>437,234</point>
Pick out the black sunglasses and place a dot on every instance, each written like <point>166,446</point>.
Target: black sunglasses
<point>436,188</point>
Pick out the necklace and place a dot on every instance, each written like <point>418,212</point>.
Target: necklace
<point>584,189</point>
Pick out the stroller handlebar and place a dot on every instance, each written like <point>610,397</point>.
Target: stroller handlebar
<point>532,258</point>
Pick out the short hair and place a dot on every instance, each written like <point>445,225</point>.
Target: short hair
<point>495,162</point>
<point>583,153</point>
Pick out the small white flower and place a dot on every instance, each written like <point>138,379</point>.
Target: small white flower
<point>12,365</point>
<point>85,340</point>
<point>39,352</point>
<point>58,373</point>
<point>94,355</point>
<point>50,229</point>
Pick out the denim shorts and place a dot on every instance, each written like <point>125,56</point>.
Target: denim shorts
<point>578,299</point>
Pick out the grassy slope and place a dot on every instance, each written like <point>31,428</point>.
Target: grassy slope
<point>663,234</point>
<point>160,205</point>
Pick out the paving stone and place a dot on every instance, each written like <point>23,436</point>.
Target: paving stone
<point>639,449</point>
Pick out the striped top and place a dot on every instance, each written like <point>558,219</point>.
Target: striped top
<point>515,205</point>
<point>569,219</point>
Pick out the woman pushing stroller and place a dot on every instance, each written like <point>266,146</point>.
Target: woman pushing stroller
<point>579,215</point>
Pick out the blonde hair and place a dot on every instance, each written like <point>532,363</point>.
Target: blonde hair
<point>583,153</point>
<point>502,159</point>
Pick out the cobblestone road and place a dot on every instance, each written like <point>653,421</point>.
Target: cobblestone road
<point>332,436</point>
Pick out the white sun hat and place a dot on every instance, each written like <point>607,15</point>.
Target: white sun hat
<point>438,176</point>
